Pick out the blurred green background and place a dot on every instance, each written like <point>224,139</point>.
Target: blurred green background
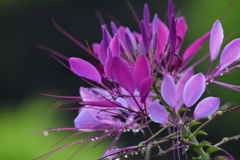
<point>26,71</point>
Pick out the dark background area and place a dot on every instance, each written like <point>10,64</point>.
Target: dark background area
<point>26,70</point>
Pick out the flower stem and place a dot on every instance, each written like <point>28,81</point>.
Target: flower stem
<point>193,139</point>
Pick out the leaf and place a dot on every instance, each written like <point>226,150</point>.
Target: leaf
<point>221,158</point>
<point>212,149</point>
<point>204,144</point>
<point>196,158</point>
<point>200,132</point>
<point>193,124</point>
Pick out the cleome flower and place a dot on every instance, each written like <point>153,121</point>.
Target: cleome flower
<point>142,78</point>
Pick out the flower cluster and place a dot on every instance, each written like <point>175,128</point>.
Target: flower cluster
<point>142,78</point>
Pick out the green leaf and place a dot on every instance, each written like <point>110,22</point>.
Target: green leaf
<point>200,132</point>
<point>204,144</point>
<point>220,158</point>
<point>193,124</point>
<point>181,110</point>
<point>196,158</point>
<point>212,149</point>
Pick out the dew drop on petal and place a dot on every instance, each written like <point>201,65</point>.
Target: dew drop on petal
<point>221,74</point>
<point>125,156</point>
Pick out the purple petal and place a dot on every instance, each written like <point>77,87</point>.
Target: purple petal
<point>114,45</point>
<point>87,120</point>
<point>216,39</point>
<point>170,10</point>
<point>108,65</point>
<point>193,89</point>
<point>206,107</point>
<point>145,88</point>
<point>144,37</point>
<point>155,23</point>
<point>123,73</point>
<point>168,90</point>
<point>131,36</point>
<point>93,94</point>
<point>101,53</point>
<point>157,113</point>
<point>84,69</point>
<point>129,43</point>
<point>172,34</point>
<point>113,27</point>
<point>195,46</point>
<point>230,54</point>
<point>142,69</point>
<point>146,18</point>
<point>187,74</point>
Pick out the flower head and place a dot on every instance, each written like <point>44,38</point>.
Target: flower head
<point>143,77</point>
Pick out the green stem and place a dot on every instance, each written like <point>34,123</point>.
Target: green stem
<point>192,139</point>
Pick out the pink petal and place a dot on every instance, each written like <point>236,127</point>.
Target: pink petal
<point>84,69</point>
<point>181,28</point>
<point>87,121</point>
<point>206,107</point>
<point>193,89</point>
<point>187,74</point>
<point>230,54</point>
<point>95,47</point>
<point>145,88</point>
<point>115,45</point>
<point>104,104</point>
<point>168,90</point>
<point>195,46</point>
<point>108,65</point>
<point>101,53</point>
<point>216,39</point>
<point>123,73</point>
<point>142,69</point>
<point>162,34</point>
<point>157,113</point>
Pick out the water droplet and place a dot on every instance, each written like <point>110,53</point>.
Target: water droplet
<point>207,83</point>
<point>136,153</point>
<point>92,139</point>
<point>117,159</point>
<point>106,130</point>
<point>125,156</point>
<point>221,74</point>
<point>114,147</point>
<point>96,138</point>
<point>128,130</point>
<point>45,133</point>
<point>124,130</point>
<point>238,65</point>
<point>226,69</point>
